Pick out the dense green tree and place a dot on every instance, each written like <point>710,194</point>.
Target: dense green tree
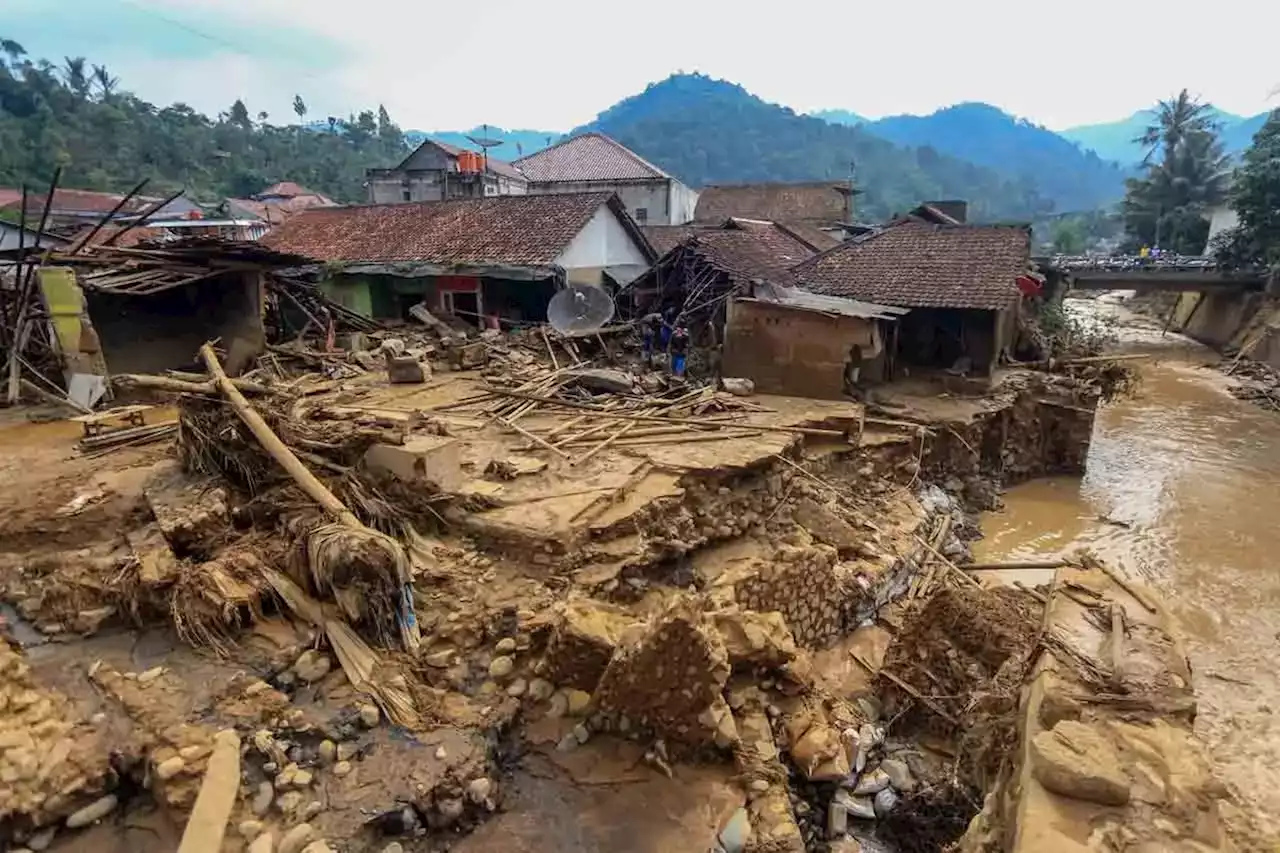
<point>1255,196</point>
<point>1186,175</point>
<point>1068,237</point>
<point>107,139</point>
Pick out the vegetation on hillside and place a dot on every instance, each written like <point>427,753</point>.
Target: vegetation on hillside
<point>709,131</point>
<point>1255,196</point>
<point>1074,178</point>
<point>1186,175</point>
<point>1117,140</point>
<point>77,116</point>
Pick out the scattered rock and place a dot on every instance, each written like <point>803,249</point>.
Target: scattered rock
<point>442,659</point>
<point>264,843</point>
<point>347,751</point>
<point>289,802</point>
<point>884,802</point>
<point>393,847</point>
<point>759,786</point>
<point>170,767</point>
<point>42,839</point>
<point>296,839</point>
<point>738,387</point>
<point>517,688</point>
<point>449,809</point>
<point>862,808</point>
<point>93,812</point>
<point>583,641</point>
<point>577,702</point>
<point>540,689</point>
<point>755,639</point>
<point>251,829</point>
<point>441,753</point>
<point>342,768</point>
<point>311,809</point>
<point>581,733</point>
<point>502,666</point>
<point>735,833</point>
<point>319,846</point>
<point>872,782</point>
<point>1076,760</point>
<point>302,778</point>
<point>478,790</point>
<point>150,675</point>
<point>604,379</point>
<point>370,716</point>
<point>837,819</point>
<point>899,774</point>
<point>404,370</point>
<point>505,646</point>
<point>262,800</point>
<point>312,666</point>
<point>326,751</point>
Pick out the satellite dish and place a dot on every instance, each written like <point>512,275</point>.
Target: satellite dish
<point>579,309</point>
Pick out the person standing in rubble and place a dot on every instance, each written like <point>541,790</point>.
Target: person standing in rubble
<point>853,372</point>
<point>679,349</point>
<point>649,329</point>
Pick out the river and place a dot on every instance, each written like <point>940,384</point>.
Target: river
<point>1181,490</point>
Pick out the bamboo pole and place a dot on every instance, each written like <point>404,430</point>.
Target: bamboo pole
<point>217,797</point>
<point>1024,564</point>
<point>272,444</point>
<point>551,401</point>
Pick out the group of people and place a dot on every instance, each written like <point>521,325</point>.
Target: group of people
<point>665,332</point>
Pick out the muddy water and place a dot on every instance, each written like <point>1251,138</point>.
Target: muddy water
<point>1182,488</point>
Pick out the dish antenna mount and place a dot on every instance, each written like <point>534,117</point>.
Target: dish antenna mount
<point>579,309</point>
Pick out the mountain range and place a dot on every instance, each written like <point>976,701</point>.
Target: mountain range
<point>711,131</point>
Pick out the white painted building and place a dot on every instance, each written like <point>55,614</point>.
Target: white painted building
<point>592,162</point>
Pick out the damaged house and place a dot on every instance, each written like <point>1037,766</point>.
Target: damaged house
<point>734,289</point>
<point>821,211</point>
<point>963,283</point>
<point>482,259</point>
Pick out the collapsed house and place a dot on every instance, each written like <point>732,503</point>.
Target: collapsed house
<point>485,260</point>
<point>733,287</point>
<point>963,283</point>
<point>821,211</point>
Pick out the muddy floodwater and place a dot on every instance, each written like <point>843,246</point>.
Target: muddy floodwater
<point>1183,489</point>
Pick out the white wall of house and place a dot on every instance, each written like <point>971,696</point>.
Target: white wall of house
<point>602,242</point>
<point>684,201</point>
<point>658,202</point>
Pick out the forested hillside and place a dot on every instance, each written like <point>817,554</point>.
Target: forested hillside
<point>1075,178</point>
<point>711,131</point>
<point>79,116</point>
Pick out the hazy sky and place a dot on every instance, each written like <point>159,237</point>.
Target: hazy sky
<point>553,64</point>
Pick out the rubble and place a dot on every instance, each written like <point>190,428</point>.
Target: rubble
<point>561,556</point>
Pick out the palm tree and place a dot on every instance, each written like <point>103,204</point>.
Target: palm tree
<point>73,71</point>
<point>299,107</point>
<point>1175,119</point>
<point>12,50</point>
<point>106,83</point>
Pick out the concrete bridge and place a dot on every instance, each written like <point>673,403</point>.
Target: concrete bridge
<point>1146,275</point>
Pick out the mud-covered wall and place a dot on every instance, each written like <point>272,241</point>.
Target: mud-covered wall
<point>794,352</point>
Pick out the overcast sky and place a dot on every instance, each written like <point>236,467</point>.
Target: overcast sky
<point>554,64</point>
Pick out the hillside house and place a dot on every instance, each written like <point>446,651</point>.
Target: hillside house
<point>592,162</point>
<point>484,260</point>
<point>963,284</point>
<point>71,209</point>
<point>275,204</point>
<point>436,171</point>
<point>822,211</point>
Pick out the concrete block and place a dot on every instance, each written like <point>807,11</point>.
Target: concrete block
<point>433,459</point>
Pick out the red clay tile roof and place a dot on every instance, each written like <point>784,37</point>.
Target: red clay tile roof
<point>277,210</point>
<point>811,234</point>
<point>664,238</point>
<point>521,230</point>
<point>82,201</point>
<point>822,201</point>
<point>287,189</point>
<point>9,195</point>
<point>588,157</point>
<point>918,265</point>
<point>752,249</point>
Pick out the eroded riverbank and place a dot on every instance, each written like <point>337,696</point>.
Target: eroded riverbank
<point>1179,489</point>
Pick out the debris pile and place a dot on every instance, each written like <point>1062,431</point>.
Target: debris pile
<point>1257,382</point>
